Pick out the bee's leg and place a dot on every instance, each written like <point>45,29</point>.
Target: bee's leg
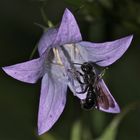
<point>76,75</point>
<point>97,105</point>
<point>79,80</point>
<point>102,73</point>
<point>99,77</point>
<point>85,90</point>
<point>81,74</point>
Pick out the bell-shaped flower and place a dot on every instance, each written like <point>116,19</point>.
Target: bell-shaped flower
<point>59,48</point>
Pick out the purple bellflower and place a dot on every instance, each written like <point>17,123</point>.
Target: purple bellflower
<point>59,48</point>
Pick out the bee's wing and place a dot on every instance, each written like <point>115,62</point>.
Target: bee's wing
<point>105,101</point>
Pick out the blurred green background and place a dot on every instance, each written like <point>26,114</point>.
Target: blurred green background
<point>99,21</point>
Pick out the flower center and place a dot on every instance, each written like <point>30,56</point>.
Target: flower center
<point>57,56</point>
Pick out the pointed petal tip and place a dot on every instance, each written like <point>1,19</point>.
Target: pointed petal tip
<point>131,36</point>
<point>21,75</point>
<point>43,126</point>
<point>51,104</point>
<point>66,10</point>
<point>128,38</point>
<point>105,54</point>
<point>68,31</point>
<point>117,110</point>
<point>67,13</point>
<point>6,70</point>
<point>16,76</point>
<point>3,68</point>
<point>41,131</point>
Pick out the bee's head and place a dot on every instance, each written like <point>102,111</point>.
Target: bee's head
<point>87,67</point>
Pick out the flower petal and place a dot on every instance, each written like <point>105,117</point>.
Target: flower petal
<point>68,31</point>
<point>46,40</point>
<point>52,103</point>
<point>114,108</point>
<point>104,54</point>
<point>28,72</point>
<point>69,55</point>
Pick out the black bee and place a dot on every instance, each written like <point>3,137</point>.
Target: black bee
<point>98,96</point>
<point>89,82</point>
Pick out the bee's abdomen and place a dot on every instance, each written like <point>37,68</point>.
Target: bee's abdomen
<point>90,100</point>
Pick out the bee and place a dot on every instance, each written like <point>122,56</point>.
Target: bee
<point>98,95</point>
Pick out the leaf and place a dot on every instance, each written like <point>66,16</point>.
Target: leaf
<point>111,131</point>
<point>76,131</point>
<point>46,137</point>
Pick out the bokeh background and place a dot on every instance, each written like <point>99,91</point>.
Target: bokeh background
<point>99,21</point>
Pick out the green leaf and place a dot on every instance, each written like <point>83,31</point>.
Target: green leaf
<point>46,136</point>
<point>76,131</point>
<point>98,119</point>
<point>111,131</point>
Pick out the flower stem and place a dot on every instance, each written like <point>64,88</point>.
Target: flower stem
<point>33,52</point>
<point>49,23</point>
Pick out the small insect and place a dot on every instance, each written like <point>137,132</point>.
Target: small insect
<point>98,96</point>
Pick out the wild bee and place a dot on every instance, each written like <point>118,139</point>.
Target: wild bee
<point>98,96</point>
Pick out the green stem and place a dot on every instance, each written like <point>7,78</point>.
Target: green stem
<point>44,15</point>
<point>49,23</point>
<point>33,52</point>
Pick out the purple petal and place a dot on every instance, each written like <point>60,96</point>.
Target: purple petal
<point>52,103</point>
<point>29,71</point>
<point>68,31</point>
<point>104,54</point>
<point>46,40</point>
<point>115,108</point>
<point>70,54</point>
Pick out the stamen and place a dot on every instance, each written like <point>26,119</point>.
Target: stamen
<point>75,50</point>
<point>56,53</point>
